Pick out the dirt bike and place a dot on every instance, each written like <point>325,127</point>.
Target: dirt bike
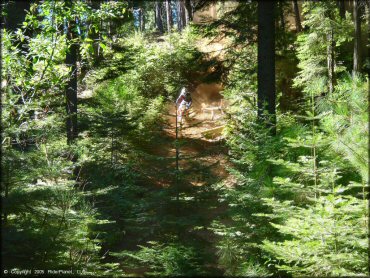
<point>183,112</point>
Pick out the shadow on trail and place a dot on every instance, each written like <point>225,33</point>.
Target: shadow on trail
<point>147,200</point>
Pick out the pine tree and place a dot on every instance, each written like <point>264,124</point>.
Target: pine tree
<point>169,16</point>
<point>71,88</point>
<point>266,64</point>
<point>357,63</point>
<point>297,16</point>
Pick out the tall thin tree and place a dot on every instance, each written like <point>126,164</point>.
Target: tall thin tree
<point>331,60</point>
<point>169,15</point>
<point>297,16</point>
<point>342,8</point>
<point>188,11</point>
<point>281,14</point>
<point>71,88</point>
<point>178,15</point>
<point>266,64</point>
<point>142,19</point>
<point>181,17</point>
<point>158,16</point>
<point>357,63</point>
<point>95,33</point>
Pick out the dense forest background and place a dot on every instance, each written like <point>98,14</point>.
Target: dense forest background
<point>98,177</point>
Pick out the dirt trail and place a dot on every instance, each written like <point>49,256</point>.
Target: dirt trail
<point>199,139</point>
<point>203,162</point>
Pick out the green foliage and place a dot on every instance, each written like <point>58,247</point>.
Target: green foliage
<point>327,238</point>
<point>113,204</point>
<point>346,122</point>
<point>239,23</point>
<point>163,68</point>
<point>152,68</point>
<point>324,222</point>
<point>298,195</point>
<point>321,21</point>
<point>121,124</point>
<point>174,259</point>
<point>47,221</point>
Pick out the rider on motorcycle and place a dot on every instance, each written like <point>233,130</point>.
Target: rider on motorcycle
<point>183,103</point>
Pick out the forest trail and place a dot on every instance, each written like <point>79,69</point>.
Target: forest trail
<point>202,164</point>
<point>200,137</point>
<point>200,141</point>
<point>202,153</point>
<point>193,202</point>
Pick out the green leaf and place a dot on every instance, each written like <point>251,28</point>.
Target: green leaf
<point>102,45</point>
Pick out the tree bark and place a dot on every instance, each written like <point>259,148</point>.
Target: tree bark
<point>16,13</point>
<point>266,64</point>
<point>7,183</point>
<point>71,89</point>
<point>142,19</point>
<point>368,57</point>
<point>331,61</point>
<point>297,16</point>
<point>342,10</point>
<point>281,14</point>
<point>181,17</point>
<point>188,11</point>
<point>169,15</point>
<point>158,16</point>
<point>95,34</point>
<point>178,15</point>
<point>357,38</point>
<point>139,15</point>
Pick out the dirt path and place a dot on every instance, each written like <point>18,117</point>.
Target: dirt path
<point>186,202</point>
<point>200,142</point>
<point>200,136</point>
<point>195,147</point>
<point>202,163</point>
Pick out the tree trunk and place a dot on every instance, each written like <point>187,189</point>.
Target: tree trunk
<point>142,20</point>
<point>183,14</point>
<point>357,38</point>
<point>71,89</point>
<point>368,57</point>
<point>169,15</point>
<point>266,64</point>
<point>281,14</point>
<point>96,46</point>
<point>181,17</point>
<point>16,14</point>
<point>342,10</point>
<point>139,16</point>
<point>297,16</point>
<point>192,5</point>
<point>330,60</point>
<point>7,183</point>
<point>188,11</point>
<point>178,15</point>
<point>95,34</point>
<point>158,16</point>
